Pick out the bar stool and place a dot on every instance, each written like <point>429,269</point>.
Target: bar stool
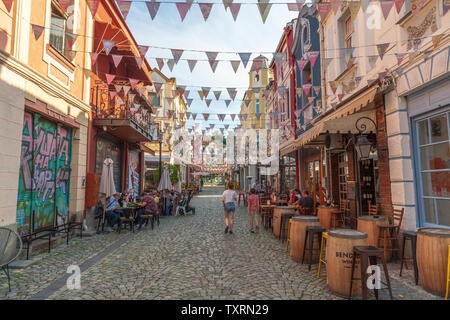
<point>309,241</point>
<point>412,236</point>
<point>322,249</point>
<point>371,254</point>
<point>288,240</point>
<point>284,218</point>
<point>241,194</point>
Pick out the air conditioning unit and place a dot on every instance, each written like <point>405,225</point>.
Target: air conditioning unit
<point>334,142</point>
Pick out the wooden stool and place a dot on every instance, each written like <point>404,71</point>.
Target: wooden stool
<point>289,236</point>
<point>309,236</point>
<point>284,218</point>
<point>368,253</point>
<point>412,236</point>
<point>322,250</point>
<point>242,194</point>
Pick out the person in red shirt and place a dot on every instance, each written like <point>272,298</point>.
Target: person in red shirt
<point>253,210</point>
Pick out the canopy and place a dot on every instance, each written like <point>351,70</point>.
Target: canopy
<point>165,183</point>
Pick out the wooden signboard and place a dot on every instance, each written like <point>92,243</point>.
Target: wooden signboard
<point>351,190</point>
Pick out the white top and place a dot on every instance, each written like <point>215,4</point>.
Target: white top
<point>229,196</point>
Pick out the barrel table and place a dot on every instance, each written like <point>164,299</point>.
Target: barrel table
<point>297,236</point>
<point>276,221</point>
<point>339,255</point>
<point>369,225</point>
<point>325,215</point>
<point>432,258</point>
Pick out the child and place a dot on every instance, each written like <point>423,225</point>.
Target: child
<point>253,209</point>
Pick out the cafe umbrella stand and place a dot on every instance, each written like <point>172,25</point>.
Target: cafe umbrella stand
<point>165,185</point>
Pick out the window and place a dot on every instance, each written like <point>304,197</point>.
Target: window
<point>348,31</point>
<point>343,175</point>
<point>433,157</point>
<point>61,36</point>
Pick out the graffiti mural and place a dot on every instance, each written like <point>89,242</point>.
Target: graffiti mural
<point>134,170</point>
<point>44,173</point>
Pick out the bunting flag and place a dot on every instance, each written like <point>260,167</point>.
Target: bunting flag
<point>326,62</point>
<point>357,81</point>
<point>118,88</point>
<point>186,93</point>
<point>183,8</point>
<point>131,97</point>
<point>381,76</point>
<point>258,115</point>
<point>192,64</point>
<point>295,6</point>
<point>194,115</point>
<point>126,89</point>
<point>143,50</point>
<point>232,92</point>
<point>94,57</point>
<point>157,86</point>
<point>299,92</point>
<point>139,61</point>
<point>399,5</point>
<point>227,4</point>
<point>87,72</point>
<point>311,100</point>
<point>323,9</point>
<point>340,96</point>
<point>124,7</point>
<point>244,116</point>
<point>335,4</point>
<point>217,94</point>
<point>188,115</point>
<point>116,59</point>
<point>206,91</point>
<point>170,64</point>
<point>189,102</point>
<point>174,93</point>
<point>208,102</point>
<point>213,65</point>
<point>382,49</point>
<point>316,90</point>
<point>153,8</point>
<point>206,116</point>
<point>307,88</point>
<point>386,6</point>
<point>222,130</point>
<point>257,64</point>
<point>301,63</point>
<point>226,126</point>
<point>264,8</point>
<point>211,55</point>
<point>312,57</point>
<point>133,83</point>
<point>234,9</point>
<point>247,102</point>
<point>181,89</point>
<point>233,116</point>
<point>235,65</point>
<point>205,8</point>
<point>437,38</point>
<point>354,7</point>
<point>400,57</point>
<point>176,54</point>
<point>201,94</point>
<point>221,116</point>
<point>93,6</point>
<point>244,58</point>
<point>37,31</point>
<point>112,94</point>
<point>108,45</point>
<point>64,4</point>
<point>109,78</point>
<point>333,86</point>
<point>8,4</point>
<point>227,102</point>
<point>160,63</point>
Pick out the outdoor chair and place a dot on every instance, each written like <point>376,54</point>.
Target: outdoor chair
<point>126,219</point>
<point>10,248</point>
<point>181,207</point>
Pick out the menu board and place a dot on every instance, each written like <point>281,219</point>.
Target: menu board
<point>351,190</point>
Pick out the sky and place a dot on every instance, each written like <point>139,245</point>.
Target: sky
<point>219,33</point>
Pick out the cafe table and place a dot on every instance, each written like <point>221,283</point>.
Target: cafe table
<point>129,214</point>
<point>267,214</point>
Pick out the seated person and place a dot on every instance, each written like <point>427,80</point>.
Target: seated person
<point>111,211</point>
<point>292,197</point>
<point>273,198</point>
<point>306,201</point>
<point>148,207</point>
<point>155,196</point>
<point>123,197</point>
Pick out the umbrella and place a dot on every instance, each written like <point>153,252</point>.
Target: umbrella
<point>107,186</point>
<point>165,183</point>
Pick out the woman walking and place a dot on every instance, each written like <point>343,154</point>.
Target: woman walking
<point>229,198</point>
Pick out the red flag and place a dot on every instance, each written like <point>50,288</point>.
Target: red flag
<point>93,6</point>
<point>64,4</point>
<point>152,8</point>
<point>386,6</point>
<point>94,57</point>
<point>323,9</point>
<point>399,5</point>
<point>143,50</point>
<point>8,4</point>
<point>312,56</point>
<point>182,9</point>
<point>234,8</point>
<point>124,7</point>
<point>205,8</point>
<point>133,83</point>
<point>109,78</point>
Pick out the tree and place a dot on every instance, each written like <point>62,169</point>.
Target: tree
<point>173,173</point>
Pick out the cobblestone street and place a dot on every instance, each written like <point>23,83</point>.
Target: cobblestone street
<point>184,258</point>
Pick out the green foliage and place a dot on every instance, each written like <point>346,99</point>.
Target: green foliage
<point>173,173</point>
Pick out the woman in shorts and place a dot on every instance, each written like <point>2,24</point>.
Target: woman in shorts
<point>229,198</point>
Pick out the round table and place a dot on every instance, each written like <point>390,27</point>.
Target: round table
<point>327,216</point>
<point>297,235</point>
<point>369,225</point>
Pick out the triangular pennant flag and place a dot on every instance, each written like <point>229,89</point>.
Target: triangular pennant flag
<point>399,5</point>
<point>160,62</point>
<point>170,64</point>
<point>213,65</point>
<point>174,93</point>
<point>124,7</point>
<point>399,71</point>
<point>205,8</point>
<point>316,90</point>
<point>93,6</point>
<point>295,6</point>
<point>247,102</point>
<point>227,4</point>
<point>116,59</point>
<point>335,4</point>
<point>139,62</point>
<point>212,55</point>
<point>186,93</point>
<point>264,8</point>
<point>382,49</point>
<point>108,44</point>
<point>226,126</point>
<point>153,8</point>
<point>194,115</point>
<point>206,91</point>
<point>357,81</point>
<point>143,50</point>
<point>333,86</point>
<point>326,62</point>
<point>437,38</point>
<point>340,96</point>
<point>133,83</point>
<point>307,88</point>
<point>257,64</point>
<point>222,130</point>
<point>221,117</point>
<point>400,57</point>
<point>323,9</point>
<point>244,116</point>
<point>118,88</point>
<point>232,92</point>
<point>244,58</point>
<point>183,8</point>
<point>386,6</point>
<point>235,64</point>
<point>181,89</point>
<point>131,97</point>
<point>381,76</point>
<point>258,115</point>
<point>299,92</point>
<point>94,57</point>
<point>206,116</point>
<point>109,78</point>
<point>188,115</point>
<point>157,86</point>
<point>227,102</point>
<point>87,72</point>
<point>233,116</point>
<point>201,94</point>
<point>312,57</point>
<point>8,4</point>
<point>189,102</point>
<point>301,63</point>
<point>217,94</point>
<point>112,94</point>
<point>64,4</point>
<point>234,9</point>
<point>192,64</point>
<point>176,54</point>
<point>354,7</point>
<point>208,102</point>
<point>37,31</point>
<point>311,99</point>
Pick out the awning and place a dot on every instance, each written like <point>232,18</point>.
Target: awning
<point>146,149</point>
<point>342,120</point>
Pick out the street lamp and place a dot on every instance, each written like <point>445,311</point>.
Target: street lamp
<point>161,137</point>
<point>363,145</point>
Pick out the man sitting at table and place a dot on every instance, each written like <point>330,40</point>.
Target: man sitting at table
<point>111,211</point>
<point>306,201</point>
<point>148,207</point>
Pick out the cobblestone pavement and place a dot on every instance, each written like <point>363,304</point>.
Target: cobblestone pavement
<point>188,258</point>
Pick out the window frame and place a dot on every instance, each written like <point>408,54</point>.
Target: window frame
<point>56,11</point>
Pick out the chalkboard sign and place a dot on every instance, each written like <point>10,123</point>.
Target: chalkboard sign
<point>351,190</point>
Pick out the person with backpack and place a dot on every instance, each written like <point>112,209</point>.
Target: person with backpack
<point>253,210</point>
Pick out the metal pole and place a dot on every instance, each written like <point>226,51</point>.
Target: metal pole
<point>160,147</point>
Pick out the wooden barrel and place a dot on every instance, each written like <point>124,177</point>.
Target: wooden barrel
<point>339,255</point>
<point>297,236</point>
<point>325,215</point>
<point>432,258</point>
<point>277,212</point>
<point>369,225</point>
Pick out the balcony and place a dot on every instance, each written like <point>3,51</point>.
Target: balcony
<point>119,116</point>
